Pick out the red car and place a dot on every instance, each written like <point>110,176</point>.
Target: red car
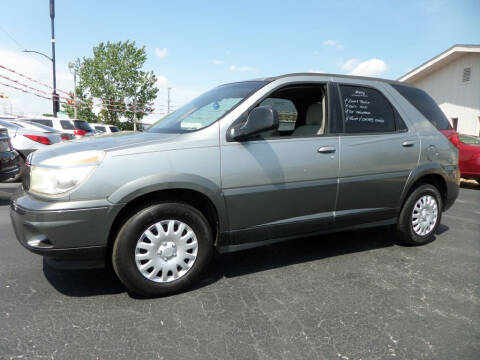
<point>469,156</point>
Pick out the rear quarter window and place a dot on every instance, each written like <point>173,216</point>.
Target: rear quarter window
<point>425,104</point>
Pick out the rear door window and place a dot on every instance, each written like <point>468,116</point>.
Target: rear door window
<point>113,129</point>
<point>66,125</point>
<point>366,110</point>
<point>425,104</point>
<point>100,128</point>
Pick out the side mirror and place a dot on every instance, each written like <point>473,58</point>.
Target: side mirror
<point>260,119</point>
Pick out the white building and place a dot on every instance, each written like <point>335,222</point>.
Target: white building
<point>453,80</point>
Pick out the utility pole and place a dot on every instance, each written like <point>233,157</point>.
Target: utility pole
<point>72,66</point>
<point>168,100</point>
<point>55,96</point>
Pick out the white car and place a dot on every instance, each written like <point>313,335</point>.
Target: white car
<point>102,129</point>
<point>79,128</point>
<point>39,127</point>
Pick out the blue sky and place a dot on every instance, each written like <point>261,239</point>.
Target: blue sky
<point>195,45</point>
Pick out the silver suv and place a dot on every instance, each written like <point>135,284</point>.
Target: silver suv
<point>244,164</point>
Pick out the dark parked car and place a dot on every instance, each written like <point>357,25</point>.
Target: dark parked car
<point>9,158</point>
<point>242,165</point>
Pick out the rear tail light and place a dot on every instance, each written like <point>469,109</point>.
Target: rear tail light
<point>455,140</point>
<point>80,132</point>
<point>40,139</point>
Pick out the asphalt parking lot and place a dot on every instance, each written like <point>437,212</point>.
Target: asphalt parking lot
<point>352,295</point>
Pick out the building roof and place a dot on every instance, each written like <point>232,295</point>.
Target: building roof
<point>439,61</point>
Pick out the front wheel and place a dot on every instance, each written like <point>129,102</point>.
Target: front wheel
<point>420,216</point>
<point>162,249</point>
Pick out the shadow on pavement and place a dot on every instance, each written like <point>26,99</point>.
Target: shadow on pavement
<point>83,283</point>
<point>470,184</point>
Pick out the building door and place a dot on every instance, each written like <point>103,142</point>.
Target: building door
<point>455,123</point>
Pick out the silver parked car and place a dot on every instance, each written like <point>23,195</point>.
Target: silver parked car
<point>25,140</point>
<point>46,129</point>
<point>242,165</point>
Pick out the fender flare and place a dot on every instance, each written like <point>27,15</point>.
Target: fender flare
<point>419,172</point>
<point>149,184</point>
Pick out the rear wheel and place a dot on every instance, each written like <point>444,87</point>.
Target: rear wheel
<point>162,249</point>
<point>420,216</point>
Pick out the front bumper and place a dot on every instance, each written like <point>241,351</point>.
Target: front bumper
<point>66,231</point>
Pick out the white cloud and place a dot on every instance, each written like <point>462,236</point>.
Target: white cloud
<point>217,62</point>
<point>316,71</point>
<point>333,43</point>
<point>161,53</point>
<point>349,65</point>
<point>372,67</point>
<point>242,68</point>
<point>162,81</point>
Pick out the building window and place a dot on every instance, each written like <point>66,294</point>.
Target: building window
<point>467,72</point>
<point>455,123</point>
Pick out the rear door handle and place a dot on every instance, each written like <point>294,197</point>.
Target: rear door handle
<point>326,149</point>
<point>408,143</point>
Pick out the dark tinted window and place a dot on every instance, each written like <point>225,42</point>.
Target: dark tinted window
<point>366,110</point>
<point>43,122</point>
<point>67,125</point>
<point>426,105</point>
<point>82,125</point>
<point>100,128</point>
<point>113,129</point>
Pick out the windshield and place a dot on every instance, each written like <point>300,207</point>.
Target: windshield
<point>40,126</point>
<point>207,108</point>
<point>470,140</point>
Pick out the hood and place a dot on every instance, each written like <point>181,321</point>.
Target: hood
<point>112,142</point>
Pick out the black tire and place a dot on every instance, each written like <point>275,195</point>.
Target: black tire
<point>405,230</point>
<point>123,255</point>
<point>19,176</point>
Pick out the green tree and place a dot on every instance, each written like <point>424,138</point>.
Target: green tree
<point>114,78</point>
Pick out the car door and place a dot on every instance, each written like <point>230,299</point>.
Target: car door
<point>377,154</point>
<point>279,186</point>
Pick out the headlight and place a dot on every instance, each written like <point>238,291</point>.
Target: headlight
<point>61,174</point>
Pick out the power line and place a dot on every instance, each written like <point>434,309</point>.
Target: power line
<point>21,46</point>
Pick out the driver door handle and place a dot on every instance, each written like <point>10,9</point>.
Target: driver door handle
<point>326,149</point>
